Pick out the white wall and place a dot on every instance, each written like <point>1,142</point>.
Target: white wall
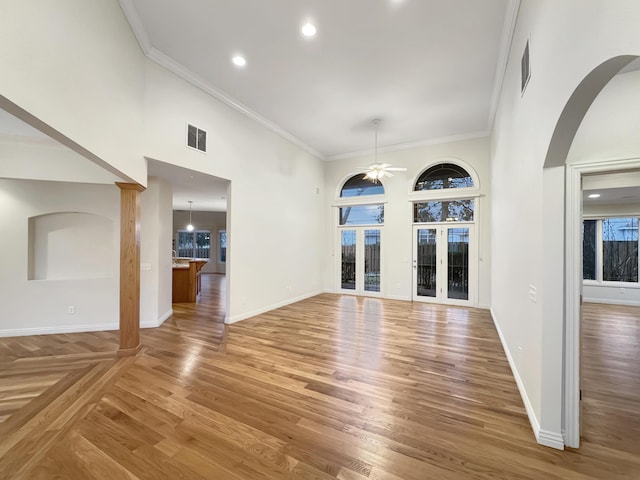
<point>609,130</point>
<point>275,241</point>
<point>40,306</point>
<point>212,221</point>
<point>155,253</point>
<point>397,249</point>
<point>568,40</point>
<point>48,160</point>
<point>76,66</point>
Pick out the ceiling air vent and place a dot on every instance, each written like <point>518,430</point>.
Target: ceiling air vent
<point>525,67</point>
<point>196,138</point>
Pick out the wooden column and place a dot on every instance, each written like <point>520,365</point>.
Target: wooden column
<point>129,268</point>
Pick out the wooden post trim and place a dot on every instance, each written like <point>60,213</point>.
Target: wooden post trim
<point>129,268</point>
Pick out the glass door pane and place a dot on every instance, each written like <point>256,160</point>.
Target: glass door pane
<point>458,263</point>
<point>348,243</point>
<point>426,262</point>
<point>372,260</point>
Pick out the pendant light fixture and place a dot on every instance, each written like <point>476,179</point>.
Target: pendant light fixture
<point>190,226</point>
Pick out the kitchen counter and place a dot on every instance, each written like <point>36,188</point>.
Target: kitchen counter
<point>186,279</point>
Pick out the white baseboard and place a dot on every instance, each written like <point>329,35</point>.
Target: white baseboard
<point>156,323</point>
<point>404,298</point>
<point>543,437</point>
<point>551,439</point>
<point>284,303</point>
<point>629,303</point>
<point>23,332</point>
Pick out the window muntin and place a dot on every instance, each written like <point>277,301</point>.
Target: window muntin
<point>362,214</point>
<point>358,186</point>
<point>443,176</point>
<point>610,249</point>
<point>444,211</point>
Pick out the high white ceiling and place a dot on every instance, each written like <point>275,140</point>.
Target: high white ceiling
<point>429,69</point>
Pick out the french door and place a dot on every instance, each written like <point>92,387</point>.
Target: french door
<point>442,264</point>
<point>359,260</point>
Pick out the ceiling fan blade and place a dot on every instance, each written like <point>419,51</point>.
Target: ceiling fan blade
<point>396,169</point>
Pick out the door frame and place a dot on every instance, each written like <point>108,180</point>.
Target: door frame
<point>473,262</point>
<point>573,291</point>
<point>359,290</point>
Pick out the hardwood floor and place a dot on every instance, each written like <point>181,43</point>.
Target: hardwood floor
<point>330,387</point>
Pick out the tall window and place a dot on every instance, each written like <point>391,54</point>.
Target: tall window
<point>610,249</point>
<point>361,214</point>
<point>196,244</point>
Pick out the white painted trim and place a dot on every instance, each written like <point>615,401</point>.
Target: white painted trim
<point>130,11</point>
<point>551,439</point>
<point>508,29</point>
<point>573,286</point>
<point>629,303</point>
<point>403,298</point>
<point>409,145</point>
<point>23,332</point>
<point>284,303</point>
<point>183,72</point>
<point>157,323</point>
<point>533,420</point>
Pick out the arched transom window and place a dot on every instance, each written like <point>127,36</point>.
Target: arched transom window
<point>359,185</point>
<point>443,176</point>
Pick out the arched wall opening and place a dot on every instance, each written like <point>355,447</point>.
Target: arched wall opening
<point>562,246</point>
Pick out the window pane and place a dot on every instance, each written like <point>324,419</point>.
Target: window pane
<point>620,249</point>
<point>445,175</point>
<point>223,247</point>
<point>444,211</point>
<point>202,140</point>
<point>358,186</point>
<point>185,244</point>
<point>589,230</point>
<point>362,215</point>
<point>203,243</point>
<point>348,242</point>
<point>458,263</point>
<point>426,262</point>
<point>372,260</point>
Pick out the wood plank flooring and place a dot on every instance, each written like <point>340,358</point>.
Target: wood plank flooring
<point>330,387</point>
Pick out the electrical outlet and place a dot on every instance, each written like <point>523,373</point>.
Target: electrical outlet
<point>71,310</point>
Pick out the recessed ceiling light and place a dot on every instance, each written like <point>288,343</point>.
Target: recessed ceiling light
<point>239,61</point>
<point>594,195</point>
<point>308,30</point>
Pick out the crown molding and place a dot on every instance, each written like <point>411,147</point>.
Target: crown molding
<point>508,30</point>
<point>409,145</point>
<point>129,10</point>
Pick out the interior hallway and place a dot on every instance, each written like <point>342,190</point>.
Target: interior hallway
<point>330,387</point>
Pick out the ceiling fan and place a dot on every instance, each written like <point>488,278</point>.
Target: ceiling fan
<point>377,171</point>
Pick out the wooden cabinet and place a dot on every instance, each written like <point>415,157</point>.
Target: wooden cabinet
<point>186,280</point>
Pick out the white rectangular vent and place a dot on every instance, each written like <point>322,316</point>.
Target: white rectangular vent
<point>525,67</point>
<point>196,138</point>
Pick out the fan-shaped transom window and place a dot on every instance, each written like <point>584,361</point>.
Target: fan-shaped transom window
<point>358,185</point>
<point>443,176</point>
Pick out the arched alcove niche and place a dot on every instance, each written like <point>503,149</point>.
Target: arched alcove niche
<point>71,245</point>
